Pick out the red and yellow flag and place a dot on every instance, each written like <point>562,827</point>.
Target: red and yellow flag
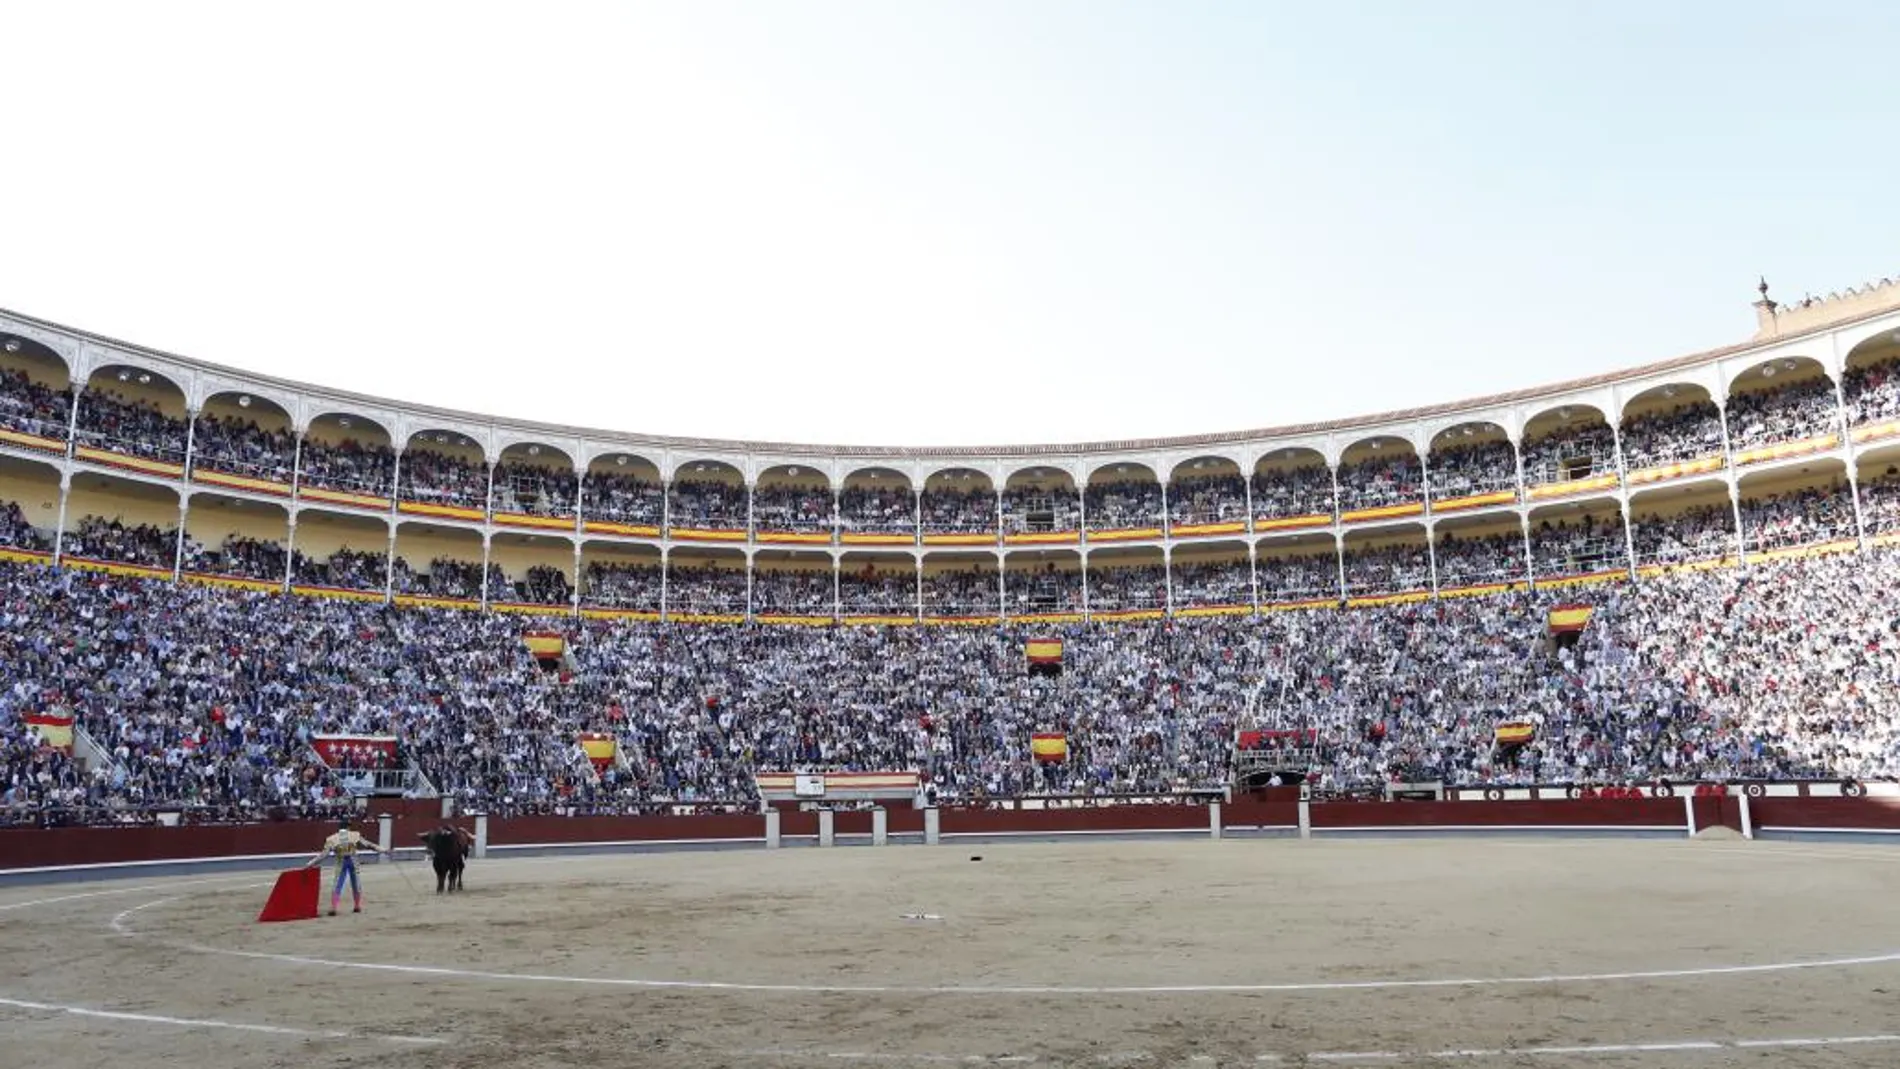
<point>1569,618</point>
<point>1044,650</point>
<point>55,730</point>
<point>1516,732</point>
<point>600,749</point>
<point>545,645</point>
<point>1049,746</point>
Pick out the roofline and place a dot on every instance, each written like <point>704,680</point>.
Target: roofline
<point>729,445</point>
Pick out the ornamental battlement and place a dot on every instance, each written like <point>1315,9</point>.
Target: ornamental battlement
<point>1774,319</point>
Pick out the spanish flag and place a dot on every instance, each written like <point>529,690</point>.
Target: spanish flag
<point>1044,650</point>
<point>1515,733</point>
<point>600,749</point>
<point>1566,618</point>
<point>545,645</point>
<point>54,729</point>
<point>1051,748</point>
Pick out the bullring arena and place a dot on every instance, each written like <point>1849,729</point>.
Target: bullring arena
<point>1618,942</point>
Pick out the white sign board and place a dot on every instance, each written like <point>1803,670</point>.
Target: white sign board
<point>809,785</point>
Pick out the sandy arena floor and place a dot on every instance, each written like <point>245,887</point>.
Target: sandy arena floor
<point>1137,954</point>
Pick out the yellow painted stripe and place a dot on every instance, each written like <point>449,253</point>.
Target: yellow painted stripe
<point>806,538</point>
<point>631,530</point>
<point>130,463</point>
<point>1817,550</point>
<point>1043,538</point>
<point>342,497</point>
<point>707,534</point>
<point>235,582</point>
<point>1369,600</point>
<point>1126,534</point>
<point>337,593</point>
<point>1675,471</point>
<point>241,482</point>
<point>638,615</point>
<point>32,441</point>
<point>962,621</point>
<point>1287,523</point>
<point>1866,433</point>
<point>1290,606</point>
<point>25,556</point>
<point>1383,512</point>
<point>141,571</point>
<point>1573,486</point>
<point>1215,610</point>
<point>1787,449</point>
<point>1048,618</point>
<point>447,512</point>
<point>1588,579</point>
<point>1200,530</point>
<point>427,601</point>
<point>866,538</point>
<point>793,621</point>
<point>960,539</point>
<point>1121,615</point>
<point>880,621</point>
<point>544,523</point>
<point>1475,501</point>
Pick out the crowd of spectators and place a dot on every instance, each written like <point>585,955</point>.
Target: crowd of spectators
<point>1390,569</point>
<point>1702,532</point>
<point>442,479</point>
<point>617,497</point>
<point>1580,547</point>
<point>534,489</point>
<point>1216,498</point>
<point>1386,476</point>
<point>1297,577</point>
<point>33,408</point>
<point>791,507</point>
<point>710,504</point>
<point>1687,431</point>
<point>1128,588</point>
<point>1478,559</point>
<point>878,507</point>
<point>131,428</point>
<point>446,577</point>
<point>104,539</point>
<point>1120,504</point>
<point>345,569</point>
<point>1199,584</point>
<point>1798,518</point>
<point>543,584</point>
<point>1872,392</point>
<point>237,555</point>
<point>1041,508</point>
<point>622,585</point>
<point>956,508</point>
<point>705,588</point>
<point>1047,589</point>
<point>347,466</point>
<point>792,592</point>
<point>17,532</point>
<point>867,591</point>
<point>238,446</point>
<point>1786,413</point>
<point>1464,466</point>
<point>1879,502</point>
<point>208,696</point>
<point>1573,451</point>
<point>1296,491</point>
<point>961,592</point>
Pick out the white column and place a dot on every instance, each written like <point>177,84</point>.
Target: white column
<point>827,828</point>
<point>481,835</point>
<point>1213,820</point>
<point>772,837</point>
<point>880,826</point>
<point>178,547</point>
<point>385,836</point>
<point>933,833</point>
<point>1306,817</point>
<point>65,492</point>
<point>290,550</point>
<point>1688,811</point>
<point>1748,816</point>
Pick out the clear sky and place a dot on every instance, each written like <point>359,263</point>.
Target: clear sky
<point>941,223</point>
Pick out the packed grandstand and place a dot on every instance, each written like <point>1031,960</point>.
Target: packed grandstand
<point>211,578</point>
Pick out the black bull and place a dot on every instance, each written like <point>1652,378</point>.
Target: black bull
<point>448,850</point>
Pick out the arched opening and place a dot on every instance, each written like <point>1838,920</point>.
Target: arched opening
<point>534,483</point>
<point>706,584</point>
<point>958,508</point>
<point>623,494</point>
<point>1578,538</point>
<point>1687,524</point>
<point>1878,472</point>
<point>792,499</point>
<point>132,418</point>
<point>1388,561</point>
<point>1042,583</point>
<point>707,498</point>
<point>1472,465</point>
<point>1127,582</point>
<point>1797,508</point>
<point>1669,432</point>
<point>236,538</point>
<point>1292,488</point>
<point>445,473</point>
<point>336,551</point>
<point>1479,551</point>
<point>1302,568</point>
<point>346,460</point>
<point>439,561</point>
<point>121,521</point>
<point>530,572</point>
<point>1212,575</point>
<point>29,504</point>
<point>36,395</point>
<point>619,577</point>
<point>1123,499</point>
<point>1207,496</point>
<point>877,507</point>
<point>788,584</point>
<point>961,586</point>
<point>1871,385</point>
<point>1781,408</point>
<point>1040,504</point>
<point>878,586</point>
<point>1380,478</point>
<point>1568,449</point>
<point>244,442</point>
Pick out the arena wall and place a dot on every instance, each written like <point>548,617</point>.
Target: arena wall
<point>130,850</point>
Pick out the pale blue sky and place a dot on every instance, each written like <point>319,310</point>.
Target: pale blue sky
<point>942,223</point>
